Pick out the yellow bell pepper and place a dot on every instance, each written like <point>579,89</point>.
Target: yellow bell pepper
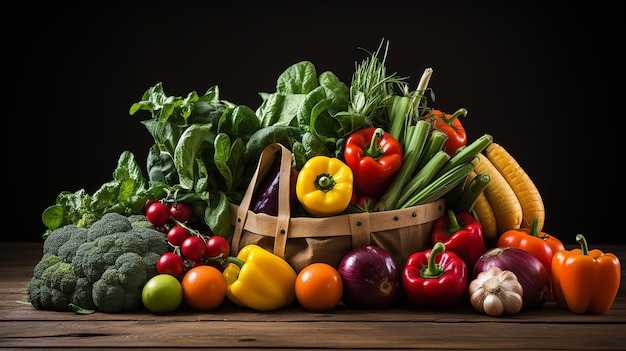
<point>324,186</point>
<point>260,280</point>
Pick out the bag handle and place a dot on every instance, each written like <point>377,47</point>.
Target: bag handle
<point>262,168</point>
<point>284,203</point>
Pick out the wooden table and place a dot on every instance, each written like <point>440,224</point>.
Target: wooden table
<point>232,327</point>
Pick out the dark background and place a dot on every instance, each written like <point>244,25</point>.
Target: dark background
<point>546,83</point>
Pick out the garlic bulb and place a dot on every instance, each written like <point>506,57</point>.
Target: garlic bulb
<point>496,291</point>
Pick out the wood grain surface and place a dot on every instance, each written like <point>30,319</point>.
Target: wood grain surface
<point>233,327</point>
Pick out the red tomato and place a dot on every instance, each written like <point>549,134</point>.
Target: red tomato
<point>158,214</point>
<point>217,245</point>
<point>177,234</point>
<point>148,203</point>
<point>181,211</point>
<point>170,263</point>
<point>367,202</point>
<point>193,248</point>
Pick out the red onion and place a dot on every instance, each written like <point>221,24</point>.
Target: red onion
<point>370,278</point>
<point>529,270</point>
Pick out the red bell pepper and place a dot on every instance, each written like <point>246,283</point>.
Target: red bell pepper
<point>374,157</point>
<point>435,278</point>
<point>462,234</point>
<point>452,126</point>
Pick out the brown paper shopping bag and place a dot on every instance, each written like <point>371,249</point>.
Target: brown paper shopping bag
<point>305,240</point>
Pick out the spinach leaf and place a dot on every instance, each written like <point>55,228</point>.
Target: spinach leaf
<point>313,146</point>
<point>268,135</point>
<point>299,78</point>
<point>187,156</point>
<point>161,168</point>
<point>217,215</point>
<point>279,109</point>
<point>239,121</point>
<point>222,156</point>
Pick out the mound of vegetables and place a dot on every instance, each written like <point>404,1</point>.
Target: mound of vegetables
<point>371,145</point>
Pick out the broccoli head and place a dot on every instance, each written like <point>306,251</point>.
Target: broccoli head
<point>102,267</point>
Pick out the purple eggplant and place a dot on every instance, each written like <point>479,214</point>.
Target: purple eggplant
<point>266,199</point>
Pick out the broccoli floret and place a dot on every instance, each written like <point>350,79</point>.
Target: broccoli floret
<point>131,270</point>
<point>68,249</point>
<point>140,221</point>
<point>42,296</point>
<point>60,276</point>
<point>60,236</point>
<point>108,293</point>
<point>46,261</point>
<point>119,288</point>
<point>103,267</point>
<point>109,223</point>
<point>87,220</point>
<point>150,260</point>
<point>82,295</point>
<point>54,287</point>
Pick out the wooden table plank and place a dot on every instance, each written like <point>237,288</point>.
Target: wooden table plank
<point>233,327</point>
<point>267,334</point>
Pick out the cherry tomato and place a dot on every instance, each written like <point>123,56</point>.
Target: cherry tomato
<point>170,263</point>
<point>181,211</point>
<point>162,228</point>
<point>148,203</point>
<point>204,288</point>
<point>158,214</point>
<point>193,248</point>
<point>177,234</point>
<point>319,287</point>
<point>367,202</point>
<point>217,245</point>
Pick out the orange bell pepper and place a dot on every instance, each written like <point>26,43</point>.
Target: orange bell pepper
<point>585,280</point>
<point>540,244</point>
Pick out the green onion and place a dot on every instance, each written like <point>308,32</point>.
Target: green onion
<point>441,185</point>
<point>471,192</point>
<point>399,121</point>
<point>424,175</point>
<point>434,144</point>
<point>467,153</point>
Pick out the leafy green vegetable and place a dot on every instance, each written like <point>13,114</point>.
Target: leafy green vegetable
<point>199,148</point>
<point>125,194</point>
<point>372,91</point>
